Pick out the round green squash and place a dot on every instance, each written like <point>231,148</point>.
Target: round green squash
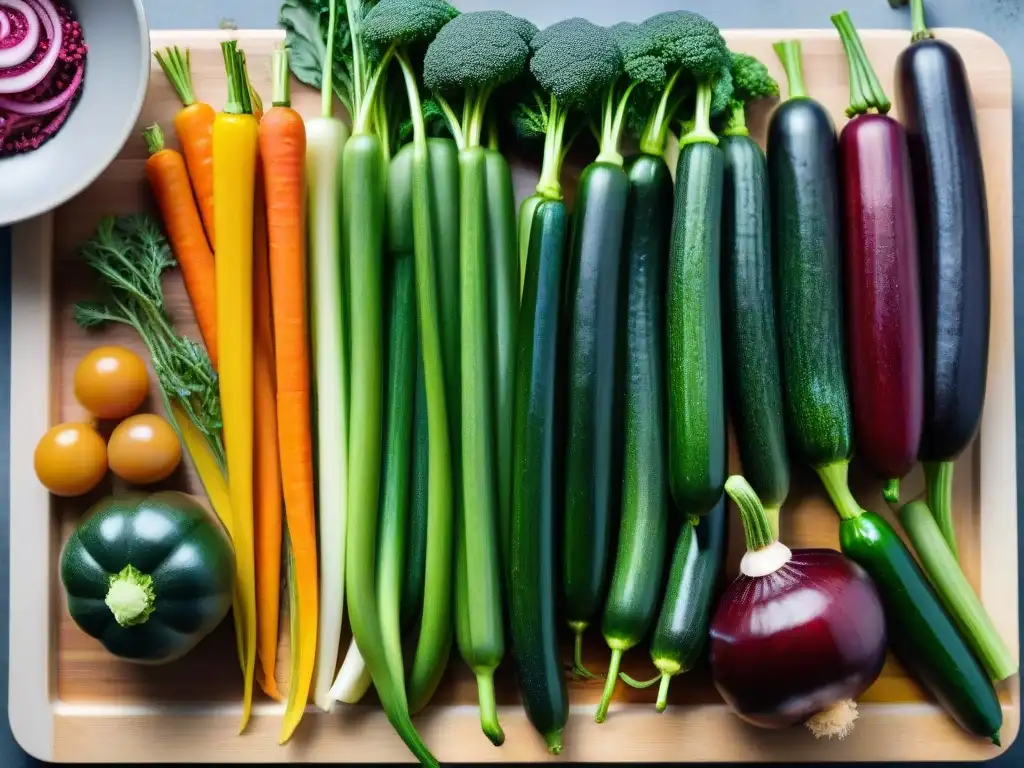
<point>148,575</point>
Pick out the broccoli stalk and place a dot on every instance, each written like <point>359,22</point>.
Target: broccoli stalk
<point>670,55</point>
<point>751,81</point>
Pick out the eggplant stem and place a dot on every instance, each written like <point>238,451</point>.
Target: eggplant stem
<point>918,29</point>
<point>609,686</point>
<point>865,89</point>
<point>891,492</point>
<point>938,477</point>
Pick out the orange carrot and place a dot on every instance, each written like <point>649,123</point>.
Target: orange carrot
<point>194,126</point>
<point>283,148</point>
<point>267,490</point>
<point>168,178</point>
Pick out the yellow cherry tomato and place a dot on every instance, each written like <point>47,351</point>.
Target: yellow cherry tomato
<point>70,459</point>
<point>111,382</point>
<point>144,449</point>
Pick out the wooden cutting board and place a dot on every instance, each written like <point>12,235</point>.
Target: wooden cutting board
<point>71,701</point>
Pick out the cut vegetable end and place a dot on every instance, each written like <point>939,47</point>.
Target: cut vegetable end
<point>662,703</point>
<point>489,708</point>
<point>554,741</point>
<point>130,597</point>
<point>834,477</point>
<point>835,721</point>
<point>891,492</point>
<point>918,28</point>
<point>154,137</point>
<point>609,686</point>
<point>791,55</point>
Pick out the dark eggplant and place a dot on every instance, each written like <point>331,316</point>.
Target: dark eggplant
<point>935,104</point>
<point>883,311</point>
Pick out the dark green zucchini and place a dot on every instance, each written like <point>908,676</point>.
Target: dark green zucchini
<point>592,296</point>
<point>802,174</point>
<point>640,562</point>
<point>532,582</point>
<point>697,445</point>
<point>751,336</point>
<point>682,627</point>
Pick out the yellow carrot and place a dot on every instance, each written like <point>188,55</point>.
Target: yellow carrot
<point>235,135</point>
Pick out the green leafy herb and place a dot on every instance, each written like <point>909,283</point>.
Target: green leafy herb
<point>129,255</point>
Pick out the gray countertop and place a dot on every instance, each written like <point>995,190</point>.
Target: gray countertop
<point>1003,20</point>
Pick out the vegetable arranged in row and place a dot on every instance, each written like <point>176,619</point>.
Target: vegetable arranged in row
<point>802,172</point>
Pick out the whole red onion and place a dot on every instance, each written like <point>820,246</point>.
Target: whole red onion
<point>799,634</point>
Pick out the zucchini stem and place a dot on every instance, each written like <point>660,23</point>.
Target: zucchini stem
<point>609,685</point>
<point>790,54</point>
<point>632,682</point>
<point>866,91</point>
<point>938,478</point>
<point>662,703</point>
<point>835,478</point>
<point>578,628</point>
<point>701,131</point>
<point>737,122</point>
<point>131,597</point>
<point>955,592</point>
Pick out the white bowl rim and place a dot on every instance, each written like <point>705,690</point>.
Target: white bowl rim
<point>97,167</point>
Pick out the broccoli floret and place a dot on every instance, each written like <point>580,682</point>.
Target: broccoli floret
<point>580,65</point>
<point>471,56</point>
<point>393,23</point>
<point>722,93</point>
<point>751,80</point>
<point>674,54</point>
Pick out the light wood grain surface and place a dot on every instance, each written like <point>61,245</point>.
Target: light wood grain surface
<point>96,708</point>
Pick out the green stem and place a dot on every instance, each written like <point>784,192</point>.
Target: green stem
<point>656,131</point>
<point>955,592</point>
<point>229,49</point>
<point>361,123</point>
<point>737,123</point>
<point>280,92</point>
<point>632,682</point>
<point>358,64</point>
<point>757,527</point>
<point>609,685</point>
<point>549,185</point>
<point>453,122</point>
<point>918,29</point>
<point>154,137</point>
<point>701,131</point>
<point>327,73</point>
<point>477,116</point>
<point>790,54</point>
<point>489,708</point>
<point>938,478</point>
<point>554,741</point>
<point>662,703</point>
<point>578,668</point>
<point>834,477</point>
<point>130,596</point>
<point>178,70</point>
<point>861,71</point>
<point>891,491</point>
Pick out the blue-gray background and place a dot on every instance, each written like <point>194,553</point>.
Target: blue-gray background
<point>1001,19</point>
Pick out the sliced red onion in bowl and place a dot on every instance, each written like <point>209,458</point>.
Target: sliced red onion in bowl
<point>49,105</point>
<point>13,54</point>
<point>31,77</point>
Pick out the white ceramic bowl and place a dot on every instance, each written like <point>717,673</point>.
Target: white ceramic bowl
<point>116,77</point>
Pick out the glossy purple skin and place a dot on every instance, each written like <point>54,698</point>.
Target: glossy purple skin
<point>786,646</point>
<point>883,294</point>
